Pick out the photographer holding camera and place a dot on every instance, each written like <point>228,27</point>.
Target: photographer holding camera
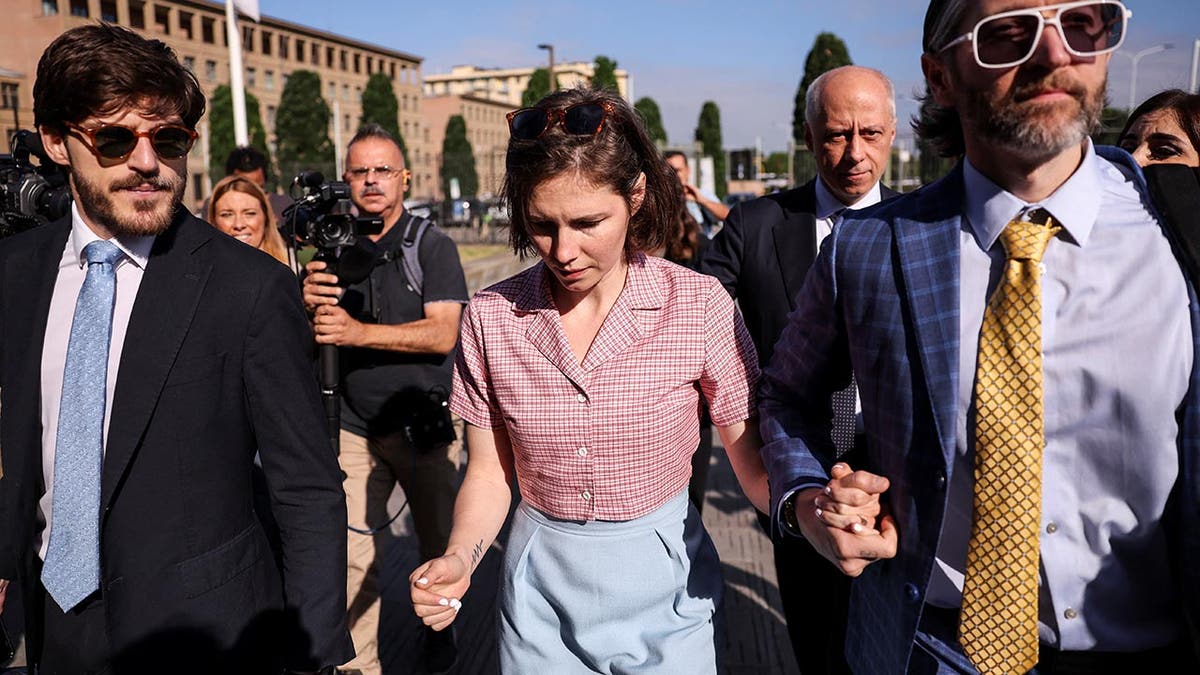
<point>396,336</point>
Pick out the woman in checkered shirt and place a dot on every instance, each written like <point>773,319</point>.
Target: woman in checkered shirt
<point>583,375</point>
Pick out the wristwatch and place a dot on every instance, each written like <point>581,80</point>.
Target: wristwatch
<point>788,515</point>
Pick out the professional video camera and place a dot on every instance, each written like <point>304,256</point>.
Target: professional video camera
<point>30,194</point>
<point>323,215</point>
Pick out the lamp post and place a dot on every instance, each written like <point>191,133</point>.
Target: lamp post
<point>1133,72</point>
<point>1195,62</point>
<point>553,82</point>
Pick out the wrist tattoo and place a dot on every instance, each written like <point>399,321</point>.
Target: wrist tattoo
<point>476,553</point>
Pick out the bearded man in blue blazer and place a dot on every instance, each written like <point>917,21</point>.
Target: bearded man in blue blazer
<point>1028,501</point>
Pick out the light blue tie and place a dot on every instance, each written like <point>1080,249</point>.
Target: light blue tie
<point>72,569</point>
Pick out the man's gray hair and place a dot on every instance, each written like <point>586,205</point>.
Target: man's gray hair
<point>376,131</point>
<point>812,98</point>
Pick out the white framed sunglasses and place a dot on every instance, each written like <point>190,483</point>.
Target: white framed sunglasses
<point>1008,39</point>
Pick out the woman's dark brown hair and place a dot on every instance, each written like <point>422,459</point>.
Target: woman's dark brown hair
<point>615,157</point>
<point>1184,107</point>
<point>98,69</point>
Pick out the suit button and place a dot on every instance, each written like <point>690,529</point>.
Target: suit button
<point>911,593</point>
<point>941,480</point>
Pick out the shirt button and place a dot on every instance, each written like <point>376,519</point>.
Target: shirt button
<point>1051,528</point>
<point>586,495</point>
<point>582,452</point>
<point>1042,269</point>
<point>1070,613</point>
<point>581,398</point>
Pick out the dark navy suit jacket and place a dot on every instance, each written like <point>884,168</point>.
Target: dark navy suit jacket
<point>883,298</point>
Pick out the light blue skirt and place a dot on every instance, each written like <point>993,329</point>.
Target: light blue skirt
<point>638,596</point>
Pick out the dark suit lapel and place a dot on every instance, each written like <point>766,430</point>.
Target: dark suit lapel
<point>796,240</point>
<point>29,284</point>
<point>162,313</point>
<point>929,261</point>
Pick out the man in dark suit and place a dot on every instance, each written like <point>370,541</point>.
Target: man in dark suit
<point>144,359</point>
<point>762,255</point>
<point>1025,343</point>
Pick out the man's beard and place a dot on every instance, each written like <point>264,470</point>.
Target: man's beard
<point>1012,122</point>
<point>148,218</point>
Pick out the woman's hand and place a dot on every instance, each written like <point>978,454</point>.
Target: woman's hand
<point>438,587</point>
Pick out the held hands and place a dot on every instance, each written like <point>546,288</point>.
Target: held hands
<point>331,324</point>
<point>437,589</point>
<point>844,521</point>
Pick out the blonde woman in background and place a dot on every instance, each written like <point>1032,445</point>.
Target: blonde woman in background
<point>240,209</point>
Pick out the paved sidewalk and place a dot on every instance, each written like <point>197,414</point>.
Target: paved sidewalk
<point>758,642</point>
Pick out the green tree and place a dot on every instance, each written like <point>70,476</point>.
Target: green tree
<point>828,52</point>
<point>379,106</point>
<point>1112,121</point>
<point>776,163</point>
<point>220,130</point>
<point>648,109</point>
<point>458,159</point>
<point>605,73</point>
<point>302,127</point>
<point>538,87</point>
<point>708,133</point>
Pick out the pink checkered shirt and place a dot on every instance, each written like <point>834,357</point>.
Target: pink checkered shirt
<point>610,439</point>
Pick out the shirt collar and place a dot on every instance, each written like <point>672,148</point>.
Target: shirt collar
<point>828,205</point>
<point>1075,204</point>
<point>136,249</point>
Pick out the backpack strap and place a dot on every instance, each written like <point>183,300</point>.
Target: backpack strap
<point>408,251</point>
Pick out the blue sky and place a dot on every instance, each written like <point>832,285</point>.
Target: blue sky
<point>747,55</point>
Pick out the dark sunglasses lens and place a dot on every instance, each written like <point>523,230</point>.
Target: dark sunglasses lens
<point>527,125</point>
<point>114,142</point>
<point>1093,28</point>
<point>172,142</point>
<point>583,119</point>
<point>1006,39</point>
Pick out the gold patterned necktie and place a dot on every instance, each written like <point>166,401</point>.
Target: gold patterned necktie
<point>998,627</point>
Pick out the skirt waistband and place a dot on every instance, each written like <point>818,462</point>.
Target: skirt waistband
<point>674,510</point>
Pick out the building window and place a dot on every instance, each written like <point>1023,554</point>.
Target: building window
<point>206,29</point>
<point>358,63</point>
<point>108,11</point>
<point>197,184</point>
<point>79,8</point>
<point>283,46</point>
<point>315,54</point>
<point>251,77</point>
<point>247,38</point>
<point>404,74</point>
<point>137,14</point>
<point>162,19</point>
<point>345,123</point>
<point>285,80</point>
<point>269,80</point>
<point>332,91</point>
<point>392,68</point>
<point>404,101</point>
<point>210,70</point>
<point>185,24</point>
<point>49,7</point>
<point>189,62</point>
<point>345,92</point>
<point>329,57</point>
<point>342,60</point>
<point>270,117</point>
<point>265,42</point>
<point>8,96</point>
<point>370,64</point>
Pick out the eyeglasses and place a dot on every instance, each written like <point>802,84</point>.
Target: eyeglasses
<point>581,119</point>
<point>384,171</point>
<point>1008,39</point>
<point>113,141</point>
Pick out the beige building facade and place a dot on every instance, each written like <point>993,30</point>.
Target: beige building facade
<point>487,130</point>
<point>195,29</point>
<point>508,84</point>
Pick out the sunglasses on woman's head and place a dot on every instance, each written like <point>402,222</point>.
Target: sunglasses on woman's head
<point>113,141</point>
<point>581,119</point>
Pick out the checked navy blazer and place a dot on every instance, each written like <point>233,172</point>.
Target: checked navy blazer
<point>883,298</point>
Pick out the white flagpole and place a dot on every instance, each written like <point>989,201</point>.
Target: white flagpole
<point>236,86</point>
